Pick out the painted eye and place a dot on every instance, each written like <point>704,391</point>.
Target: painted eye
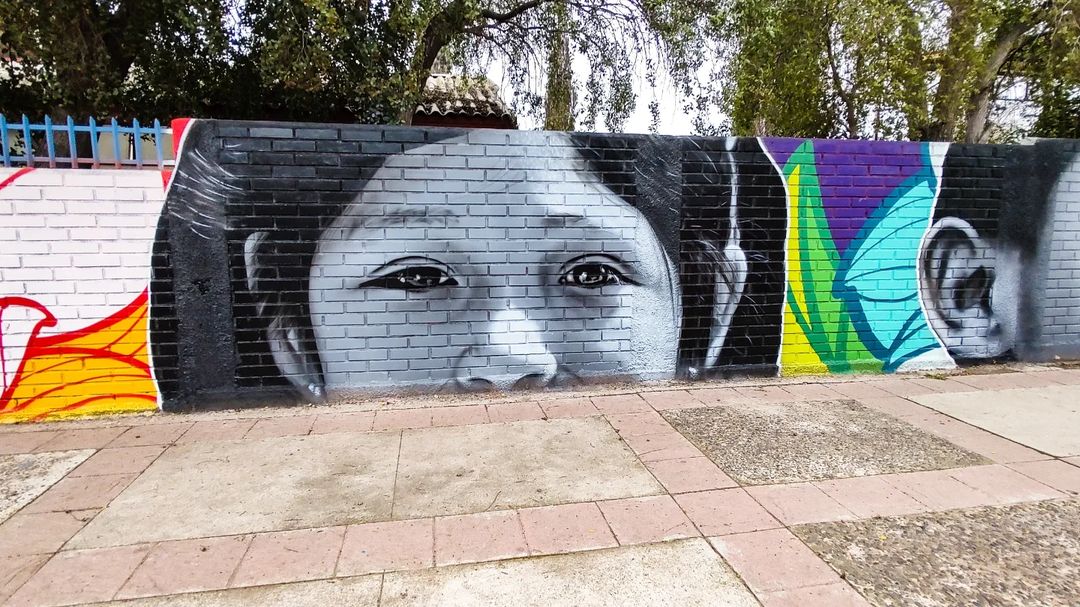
<point>592,276</point>
<point>414,278</point>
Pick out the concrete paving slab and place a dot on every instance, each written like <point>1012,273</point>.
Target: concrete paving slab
<point>354,592</point>
<point>1047,419</point>
<point>25,476</point>
<point>1025,554</point>
<point>683,573</point>
<point>765,443</point>
<point>222,488</point>
<point>530,463</point>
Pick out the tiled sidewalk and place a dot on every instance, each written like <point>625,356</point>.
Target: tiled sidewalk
<point>691,497</point>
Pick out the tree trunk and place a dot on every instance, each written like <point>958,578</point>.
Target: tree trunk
<point>949,96</point>
<point>1006,40</point>
<point>559,97</point>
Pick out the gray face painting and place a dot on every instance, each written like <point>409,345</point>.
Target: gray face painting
<point>575,284</point>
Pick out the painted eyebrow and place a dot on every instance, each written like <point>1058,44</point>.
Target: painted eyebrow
<point>415,216</point>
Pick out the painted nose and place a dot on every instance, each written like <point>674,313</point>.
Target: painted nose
<point>511,354</point>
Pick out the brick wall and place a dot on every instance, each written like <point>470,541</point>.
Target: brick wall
<point>74,266</point>
<point>302,262</point>
<point>1060,310</point>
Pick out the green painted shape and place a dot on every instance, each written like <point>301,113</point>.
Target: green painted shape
<point>825,321</point>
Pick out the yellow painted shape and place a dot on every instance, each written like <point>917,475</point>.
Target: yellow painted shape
<point>102,369</point>
<point>797,356</point>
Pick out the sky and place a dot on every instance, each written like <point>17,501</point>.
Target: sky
<point>673,119</point>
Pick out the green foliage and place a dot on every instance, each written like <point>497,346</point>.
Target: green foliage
<point>919,69</point>
<point>335,60</point>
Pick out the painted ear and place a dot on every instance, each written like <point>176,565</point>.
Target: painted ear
<point>297,363</point>
<point>730,282</point>
<point>288,334</point>
<point>956,276</point>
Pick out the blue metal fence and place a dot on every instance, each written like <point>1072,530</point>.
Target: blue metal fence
<point>17,141</point>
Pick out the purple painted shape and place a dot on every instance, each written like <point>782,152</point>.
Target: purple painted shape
<point>855,177</point>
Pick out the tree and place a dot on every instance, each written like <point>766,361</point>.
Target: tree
<point>919,69</point>
<point>337,60</point>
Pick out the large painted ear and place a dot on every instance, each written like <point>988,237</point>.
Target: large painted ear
<point>956,277</point>
<point>288,332</point>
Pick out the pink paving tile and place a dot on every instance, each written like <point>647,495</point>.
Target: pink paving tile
<point>329,423</point>
<point>859,390</point>
<point>721,396</point>
<point>81,493</point>
<point>1072,460</point>
<point>1053,473</point>
<point>186,566</point>
<point>225,429</point>
<point>459,416</point>
<point>946,385</point>
<point>671,399</point>
<point>799,503</point>
<point>41,533</point>
<point>15,570</point>
<point>289,556</point>
<point>565,528</point>
<point>151,434</point>
<point>473,538</point>
<point>401,419</point>
<point>971,438</point>
<point>936,490</point>
<point>639,424</point>
<point>809,392</point>
<point>870,496</point>
<point>621,403</point>
<point>641,520</point>
<point>514,412</point>
<point>1003,485</point>
<point>773,560</point>
<point>894,406</point>
<point>690,474</point>
<point>390,546</point>
<point>291,425</point>
<point>121,460</point>
<point>902,387</point>
<point>765,394</point>
<point>829,595</point>
<point>999,381</point>
<point>1066,377</point>
<point>725,511</point>
<point>23,442</point>
<point>568,407</point>
<point>1040,379</point>
<point>658,447</point>
<point>80,576</point>
<point>81,438</point>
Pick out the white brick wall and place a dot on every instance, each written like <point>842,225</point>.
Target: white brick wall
<point>77,241</point>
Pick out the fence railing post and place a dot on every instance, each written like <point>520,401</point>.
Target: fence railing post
<point>157,144</point>
<point>72,144</point>
<point>4,140</point>
<point>116,143</point>
<point>136,139</point>
<point>27,142</point>
<point>29,135</point>
<point>92,125</point>
<point>50,145</point>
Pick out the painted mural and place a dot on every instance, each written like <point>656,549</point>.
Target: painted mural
<point>73,337</point>
<point>300,263</point>
<point>853,299</point>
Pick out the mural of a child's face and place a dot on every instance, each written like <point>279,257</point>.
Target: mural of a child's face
<point>491,279</point>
